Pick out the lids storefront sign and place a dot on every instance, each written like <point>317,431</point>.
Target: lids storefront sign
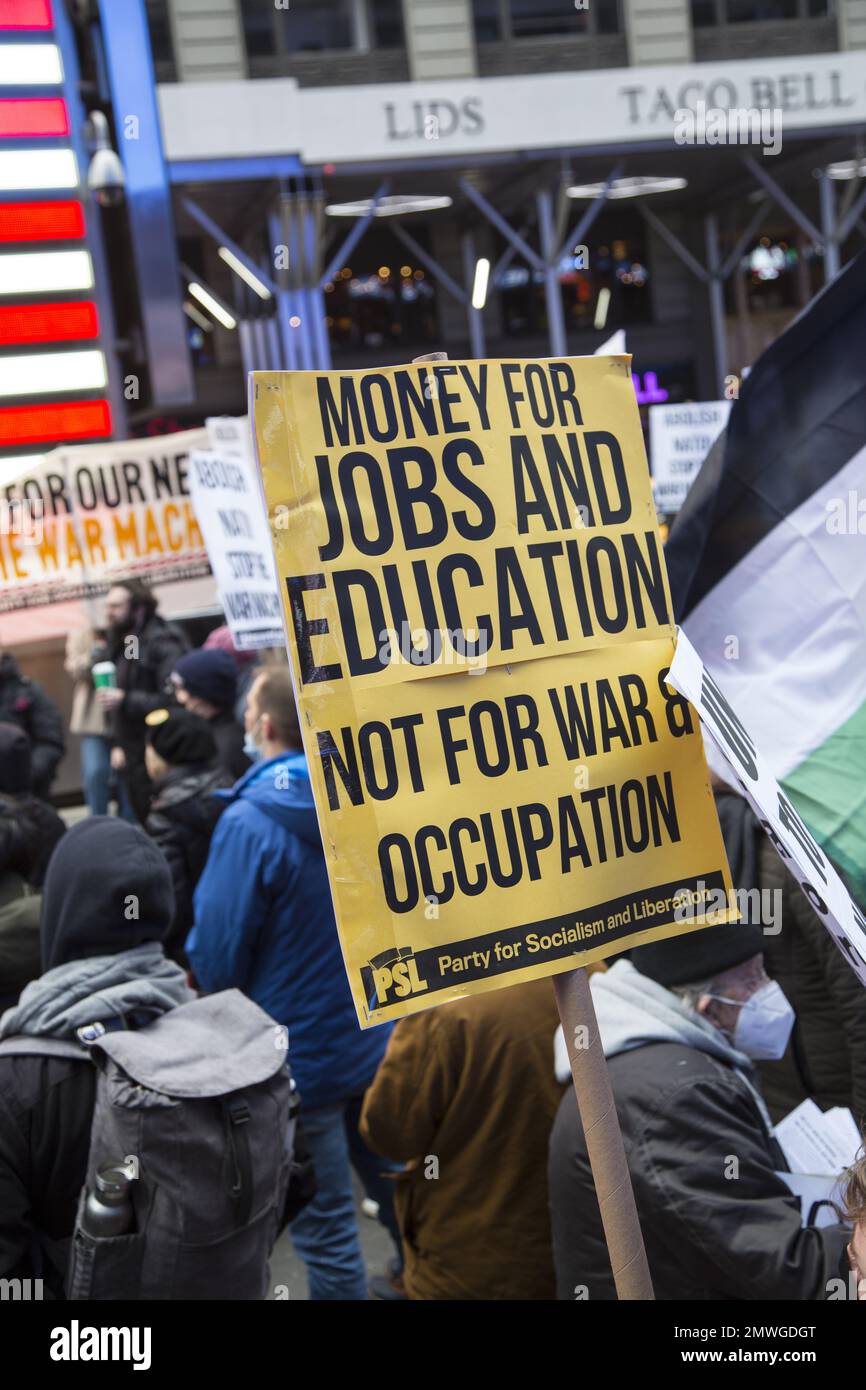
<point>218,120</point>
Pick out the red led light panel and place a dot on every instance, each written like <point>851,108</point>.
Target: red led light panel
<point>48,323</point>
<point>33,116</point>
<point>25,14</point>
<point>53,221</point>
<point>61,420</point>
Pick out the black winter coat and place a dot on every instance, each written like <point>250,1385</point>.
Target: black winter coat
<point>46,1107</point>
<point>25,703</point>
<point>144,680</point>
<point>689,1123</point>
<point>182,817</point>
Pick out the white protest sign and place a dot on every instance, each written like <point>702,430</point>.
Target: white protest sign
<point>229,435</point>
<point>614,347</point>
<point>681,436</point>
<point>231,513</point>
<point>789,836</point>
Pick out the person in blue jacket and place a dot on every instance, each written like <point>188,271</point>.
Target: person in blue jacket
<point>264,923</point>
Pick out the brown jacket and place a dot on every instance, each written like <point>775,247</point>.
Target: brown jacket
<point>469,1088</point>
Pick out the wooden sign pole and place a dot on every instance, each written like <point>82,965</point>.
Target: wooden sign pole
<point>603,1136</point>
<point>599,1118</point>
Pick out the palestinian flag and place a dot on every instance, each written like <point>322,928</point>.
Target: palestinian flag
<point>767,564</point>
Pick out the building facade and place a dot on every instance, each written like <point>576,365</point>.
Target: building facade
<point>502,127</point>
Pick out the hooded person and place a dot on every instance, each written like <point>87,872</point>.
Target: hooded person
<point>205,683</point>
<point>682,1022</point>
<point>180,755</point>
<point>107,907</point>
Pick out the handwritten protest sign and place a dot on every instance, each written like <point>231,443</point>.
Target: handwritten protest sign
<point>479,627</point>
<point>228,504</point>
<point>681,436</point>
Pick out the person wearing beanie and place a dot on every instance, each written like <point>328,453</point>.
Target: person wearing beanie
<point>248,664</point>
<point>682,1022</point>
<point>181,760</point>
<point>107,907</point>
<point>205,683</point>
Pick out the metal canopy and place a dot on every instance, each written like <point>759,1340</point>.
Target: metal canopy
<point>493,189</point>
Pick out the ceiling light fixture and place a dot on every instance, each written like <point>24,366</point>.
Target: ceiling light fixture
<point>636,187</point>
<point>396,205</point>
<point>244,272</point>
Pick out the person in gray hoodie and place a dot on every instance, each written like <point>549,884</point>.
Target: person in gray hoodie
<point>682,1022</point>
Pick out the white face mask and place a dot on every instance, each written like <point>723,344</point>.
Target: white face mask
<point>763,1024</point>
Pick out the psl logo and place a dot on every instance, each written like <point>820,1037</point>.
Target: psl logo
<point>391,976</point>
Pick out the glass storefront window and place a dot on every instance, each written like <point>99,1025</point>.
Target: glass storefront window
<point>311,26</point>
<point>258,21</point>
<point>386,23</point>
<point>609,292</point>
<point>708,12</point>
<point>533,18</point>
<point>704,13</point>
<point>607,20</point>
<point>772,278</point>
<point>160,33</point>
<point>316,26</point>
<point>506,20</point>
<point>748,11</point>
<point>381,299</point>
<point>488,20</point>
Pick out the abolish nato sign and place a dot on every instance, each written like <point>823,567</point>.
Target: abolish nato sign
<point>681,436</point>
<point>231,514</point>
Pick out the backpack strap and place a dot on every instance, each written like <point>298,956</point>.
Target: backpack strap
<point>43,1047</point>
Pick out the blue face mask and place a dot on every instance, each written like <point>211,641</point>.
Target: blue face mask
<point>251,748</point>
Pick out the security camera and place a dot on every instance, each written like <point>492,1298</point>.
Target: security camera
<point>105,176</point>
<point>106,179</point>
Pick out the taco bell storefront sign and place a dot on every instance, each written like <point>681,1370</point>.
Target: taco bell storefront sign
<point>210,120</point>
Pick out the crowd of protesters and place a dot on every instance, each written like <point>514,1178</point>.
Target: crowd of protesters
<point>459,1121</point>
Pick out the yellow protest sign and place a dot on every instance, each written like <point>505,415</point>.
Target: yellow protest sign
<point>501,506</point>
<point>479,626</point>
